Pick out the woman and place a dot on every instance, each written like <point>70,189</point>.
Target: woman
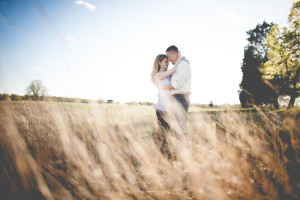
<point>161,77</point>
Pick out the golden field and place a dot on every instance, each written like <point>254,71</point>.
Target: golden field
<point>107,151</point>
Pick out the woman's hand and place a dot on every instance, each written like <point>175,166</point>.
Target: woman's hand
<point>184,58</point>
<point>161,75</point>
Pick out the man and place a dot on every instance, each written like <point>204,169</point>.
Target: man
<point>180,90</point>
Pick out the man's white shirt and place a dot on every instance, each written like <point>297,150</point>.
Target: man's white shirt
<point>181,79</point>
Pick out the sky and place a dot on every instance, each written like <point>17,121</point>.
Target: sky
<point>100,49</point>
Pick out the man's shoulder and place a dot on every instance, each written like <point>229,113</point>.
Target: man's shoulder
<point>184,63</point>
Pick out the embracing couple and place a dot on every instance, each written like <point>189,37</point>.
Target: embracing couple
<point>174,88</point>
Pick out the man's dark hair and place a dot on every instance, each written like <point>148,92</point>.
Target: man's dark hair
<point>172,48</point>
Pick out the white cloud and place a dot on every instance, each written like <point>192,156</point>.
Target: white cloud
<point>35,68</point>
<point>70,38</point>
<point>233,15</point>
<point>86,4</point>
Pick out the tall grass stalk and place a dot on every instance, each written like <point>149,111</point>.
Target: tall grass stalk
<point>92,151</point>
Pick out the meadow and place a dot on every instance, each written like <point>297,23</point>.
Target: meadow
<point>107,151</point>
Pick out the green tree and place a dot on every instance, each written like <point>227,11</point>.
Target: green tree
<point>36,90</point>
<point>4,97</point>
<point>283,52</point>
<point>254,90</point>
<point>15,97</point>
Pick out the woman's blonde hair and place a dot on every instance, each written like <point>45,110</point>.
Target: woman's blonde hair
<point>156,66</point>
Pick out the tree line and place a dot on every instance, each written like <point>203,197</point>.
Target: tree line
<point>36,91</point>
<point>16,97</point>
<point>271,64</point>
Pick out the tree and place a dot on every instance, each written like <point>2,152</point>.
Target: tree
<point>15,97</point>
<point>246,99</point>
<point>4,97</point>
<point>254,90</point>
<point>211,105</point>
<point>283,52</point>
<point>36,90</point>
<point>101,101</point>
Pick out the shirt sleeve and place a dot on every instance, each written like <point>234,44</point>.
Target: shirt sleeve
<point>180,77</point>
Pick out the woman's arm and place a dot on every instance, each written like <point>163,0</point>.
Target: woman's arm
<point>162,75</point>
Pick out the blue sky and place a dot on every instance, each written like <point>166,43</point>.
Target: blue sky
<point>105,49</point>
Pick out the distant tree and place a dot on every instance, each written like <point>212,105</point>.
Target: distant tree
<point>133,103</point>
<point>100,101</point>
<point>4,97</point>
<point>211,105</point>
<point>84,101</point>
<point>36,90</point>
<point>254,90</point>
<point>26,97</point>
<point>15,97</point>
<point>283,52</point>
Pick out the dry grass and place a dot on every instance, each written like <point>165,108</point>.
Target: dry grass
<point>91,151</point>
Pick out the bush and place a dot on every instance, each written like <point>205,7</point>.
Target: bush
<point>15,97</point>
<point>4,97</point>
<point>84,101</point>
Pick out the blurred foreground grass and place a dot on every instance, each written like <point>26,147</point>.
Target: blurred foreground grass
<point>90,151</point>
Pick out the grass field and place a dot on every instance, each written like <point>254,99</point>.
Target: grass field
<point>107,151</point>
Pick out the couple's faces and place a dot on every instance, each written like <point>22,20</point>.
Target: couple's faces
<point>172,56</point>
<point>164,63</point>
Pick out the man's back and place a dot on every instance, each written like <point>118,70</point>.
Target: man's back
<point>181,79</point>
